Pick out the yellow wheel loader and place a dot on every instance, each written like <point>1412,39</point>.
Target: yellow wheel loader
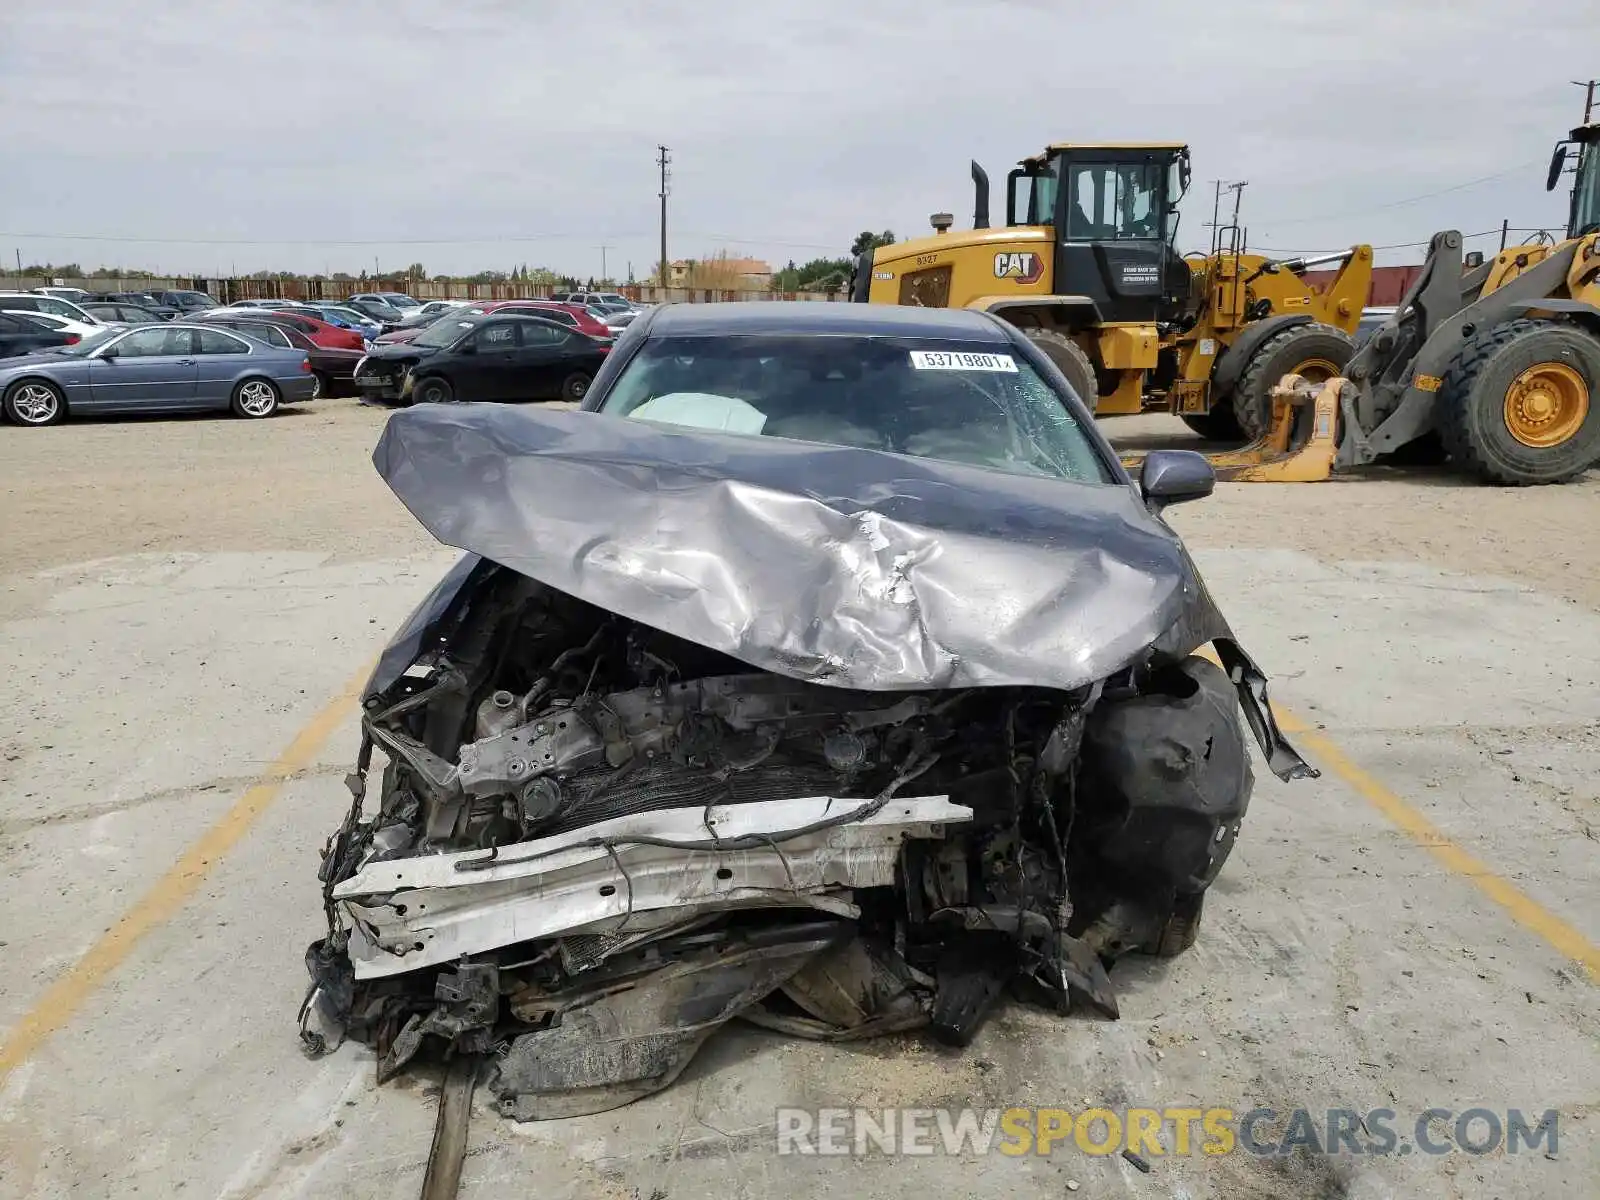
<point>1498,365</point>
<point>1086,265</point>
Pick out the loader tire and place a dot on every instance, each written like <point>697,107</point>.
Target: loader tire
<point>1218,425</point>
<point>1315,351</point>
<point>1518,405</point>
<point>1071,361</point>
<point>1180,930</point>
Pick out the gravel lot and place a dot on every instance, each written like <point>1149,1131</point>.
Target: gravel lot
<point>180,600</point>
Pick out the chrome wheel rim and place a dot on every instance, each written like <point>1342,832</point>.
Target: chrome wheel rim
<point>579,388</point>
<point>256,398</point>
<point>316,387</point>
<point>35,404</point>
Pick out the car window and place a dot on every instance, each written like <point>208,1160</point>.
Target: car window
<point>559,316</point>
<point>269,334</point>
<point>215,341</point>
<point>975,403</point>
<point>106,312</point>
<point>496,336</point>
<point>537,333</point>
<point>441,333</point>
<point>9,324</point>
<point>29,303</point>
<point>154,343</point>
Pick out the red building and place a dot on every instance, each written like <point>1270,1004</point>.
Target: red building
<point>1388,283</point>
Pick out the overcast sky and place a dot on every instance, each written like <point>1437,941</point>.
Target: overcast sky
<point>203,135</point>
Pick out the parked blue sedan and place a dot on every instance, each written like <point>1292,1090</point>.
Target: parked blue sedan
<point>171,367</point>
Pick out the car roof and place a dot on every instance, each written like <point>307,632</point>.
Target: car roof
<point>824,317</point>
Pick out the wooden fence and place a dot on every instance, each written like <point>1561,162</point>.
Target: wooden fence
<point>228,290</point>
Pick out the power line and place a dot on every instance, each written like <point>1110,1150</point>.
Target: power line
<point>1455,187</point>
<point>1410,245</point>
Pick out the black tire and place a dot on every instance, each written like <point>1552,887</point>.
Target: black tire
<point>1282,354</point>
<point>1472,401</point>
<point>433,390</point>
<point>323,385</point>
<point>256,398</point>
<point>575,386</point>
<point>1218,425</point>
<point>1071,361</point>
<point>34,403</point>
<point>1181,928</point>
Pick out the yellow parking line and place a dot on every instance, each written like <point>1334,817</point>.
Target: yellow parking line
<point>67,995</point>
<point>1518,905</point>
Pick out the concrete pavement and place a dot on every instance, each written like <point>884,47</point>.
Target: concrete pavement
<point>1344,962</point>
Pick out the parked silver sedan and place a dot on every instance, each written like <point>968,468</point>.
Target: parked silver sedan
<point>171,367</point>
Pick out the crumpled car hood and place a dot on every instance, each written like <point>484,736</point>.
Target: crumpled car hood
<point>834,565</point>
<point>830,564</point>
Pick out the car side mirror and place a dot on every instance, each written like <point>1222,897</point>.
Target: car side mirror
<point>467,347</point>
<point>1558,159</point>
<point>1173,476</point>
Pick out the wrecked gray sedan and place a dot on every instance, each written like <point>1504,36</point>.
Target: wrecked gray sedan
<point>832,677</point>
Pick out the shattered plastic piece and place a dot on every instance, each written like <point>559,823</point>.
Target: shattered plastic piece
<point>634,1036</point>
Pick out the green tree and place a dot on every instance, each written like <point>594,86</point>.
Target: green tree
<point>416,271</point>
<point>818,275</point>
<point>867,240</point>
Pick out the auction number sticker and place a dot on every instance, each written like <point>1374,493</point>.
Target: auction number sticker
<point>953,360</point>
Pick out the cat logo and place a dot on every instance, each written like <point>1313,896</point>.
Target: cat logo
<point>1022,265</point>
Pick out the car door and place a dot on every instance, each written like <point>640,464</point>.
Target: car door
<point>491,367</point>
<point>145,368</point>
<point>542,360</point>
<point>223,354</point>
<point>15,337</point>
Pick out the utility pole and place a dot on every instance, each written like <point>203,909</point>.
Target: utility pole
<point>663,157</point>
<point>1238,194</point>
<point>374,266</point>
<point>1220,186</point>
<point>1588,86</point>
<point>19,266</point>
<point>603,274</point>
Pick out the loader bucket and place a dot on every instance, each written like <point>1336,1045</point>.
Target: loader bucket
<point>1298,446</point>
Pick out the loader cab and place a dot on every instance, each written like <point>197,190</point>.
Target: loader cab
<point>1114,209</point>
<point>1583,217</point>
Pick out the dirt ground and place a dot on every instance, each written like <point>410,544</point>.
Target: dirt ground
<point>71,494</point>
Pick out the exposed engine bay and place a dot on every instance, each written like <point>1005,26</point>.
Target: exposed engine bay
<point>835,742</point>
<point>593,843</point>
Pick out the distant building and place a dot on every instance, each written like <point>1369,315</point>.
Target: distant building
<point>1388,283</point>
<point>751,273</point>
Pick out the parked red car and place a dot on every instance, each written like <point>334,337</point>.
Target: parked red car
<point>582,320</point>
<point>323,334</point>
